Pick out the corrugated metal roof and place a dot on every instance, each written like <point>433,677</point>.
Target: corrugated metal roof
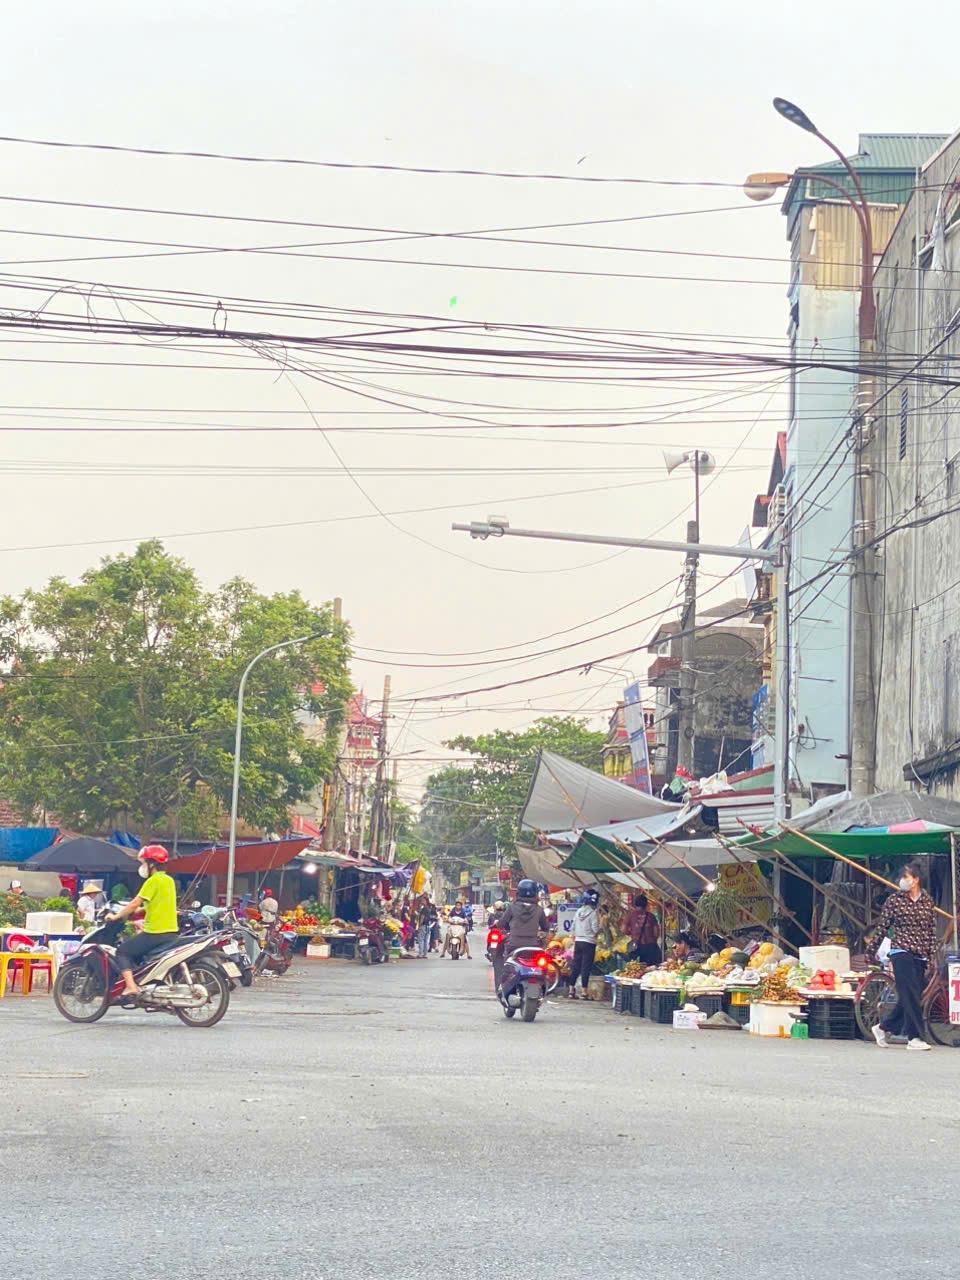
<point>896,150</point>
<point>885,162</point>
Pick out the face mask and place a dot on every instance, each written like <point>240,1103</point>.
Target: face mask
<point>905,884</point>
<point>143,871</point>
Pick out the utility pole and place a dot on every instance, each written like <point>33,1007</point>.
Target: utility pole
<point>334,789</point>
<point>688,642</point>
<point>378,813</point>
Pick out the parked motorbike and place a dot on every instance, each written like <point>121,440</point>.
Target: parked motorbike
<point>456,936</point>
<point>180,977</point>
<point>527,977</point>
<point>229,950</point>
<point>276,955</point>
<point>372,945</point>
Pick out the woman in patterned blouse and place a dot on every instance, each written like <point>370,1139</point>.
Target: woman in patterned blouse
<point>908,918</point>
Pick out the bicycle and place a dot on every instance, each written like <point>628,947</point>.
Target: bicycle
<point>876,996</point>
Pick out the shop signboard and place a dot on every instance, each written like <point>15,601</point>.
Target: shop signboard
<point>637,735</point>
<point>565,917</point>
<point>953,986</point>
<point>746,882</point>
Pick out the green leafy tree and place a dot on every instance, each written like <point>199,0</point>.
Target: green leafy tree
<point>468,811</point>
<point>118,696</point>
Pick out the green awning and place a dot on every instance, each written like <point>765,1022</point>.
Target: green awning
<point>851,844</point>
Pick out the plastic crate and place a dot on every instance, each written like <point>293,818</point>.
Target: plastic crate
<point>829,1019</point>
<point>738,1012</point>
<point>661,1006</point>
<point>638,1001</point>
<point>621,998</point>
<point>707,1004</point>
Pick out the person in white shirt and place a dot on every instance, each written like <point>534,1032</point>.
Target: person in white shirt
<point>586,926</point>
<point>91,899</point>
<point>269,908</point>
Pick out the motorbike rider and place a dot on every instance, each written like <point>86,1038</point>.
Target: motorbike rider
<point>522,923</point>
<point>494,914</point>
<point>158,898</point>
<point>457,917</point>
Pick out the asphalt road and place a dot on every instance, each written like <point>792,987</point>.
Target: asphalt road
<point>344,1122</point>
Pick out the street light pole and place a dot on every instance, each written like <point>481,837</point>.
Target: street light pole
<point>498,527</point>
<point>238,740</point>
<point>863,743</point>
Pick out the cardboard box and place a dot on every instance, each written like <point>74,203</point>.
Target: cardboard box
<point>687,1020</point>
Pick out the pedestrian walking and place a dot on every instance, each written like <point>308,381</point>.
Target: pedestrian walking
<point>426,916</point>
<point>908,920</point>
<point>586,926</point>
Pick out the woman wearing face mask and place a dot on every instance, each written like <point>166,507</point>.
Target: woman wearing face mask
<point>158,898</point>
<point>908,918</point>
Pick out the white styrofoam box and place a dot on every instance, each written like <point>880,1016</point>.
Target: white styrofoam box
<point>49,922</point>
<point>318,950</point>
<point>687,1019</point>
<point>835,958</point>
<point>771,1019</point>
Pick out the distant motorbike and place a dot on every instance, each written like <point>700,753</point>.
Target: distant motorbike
<point>456,936</point>
<point>179,976</point>
<point>527,977</point>
<point>372,945</point>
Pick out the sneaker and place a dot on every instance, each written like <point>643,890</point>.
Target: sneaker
<point>880,1036</point>
<point>918,1046</point>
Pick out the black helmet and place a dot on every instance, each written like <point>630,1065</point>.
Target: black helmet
<point>527,890</point>
<point>590,898</point>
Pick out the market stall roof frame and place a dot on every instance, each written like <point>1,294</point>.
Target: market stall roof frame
<point>601,849</point>
<point>563,794</point>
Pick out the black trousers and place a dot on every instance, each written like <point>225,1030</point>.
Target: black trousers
<point>583,956</point>
<point>910,974</point>
<point>136,947</point>
<point>647,953</point>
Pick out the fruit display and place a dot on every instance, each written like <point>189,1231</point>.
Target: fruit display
<point>660,980</point>
<point>703,982</point>
<point>826,982</point>
<point>632,969</point>
<point>778,986</point>
<point>764,955</point>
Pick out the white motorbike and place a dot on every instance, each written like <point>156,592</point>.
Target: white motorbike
<point>456,940</point>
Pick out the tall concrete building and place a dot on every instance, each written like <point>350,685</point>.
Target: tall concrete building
<point>915,456</point>
<point>818,492</point>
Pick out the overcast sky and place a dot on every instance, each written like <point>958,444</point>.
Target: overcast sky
<point>647,90</point>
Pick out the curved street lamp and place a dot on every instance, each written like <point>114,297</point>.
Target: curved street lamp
<point>238,740</point>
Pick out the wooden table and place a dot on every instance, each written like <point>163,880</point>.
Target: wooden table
<point>28,959</point>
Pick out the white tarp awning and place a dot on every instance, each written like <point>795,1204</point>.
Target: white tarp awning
<point>564,795</point>
<point>543,865</point>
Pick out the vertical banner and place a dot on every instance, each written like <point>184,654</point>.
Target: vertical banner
<point>637,735</point>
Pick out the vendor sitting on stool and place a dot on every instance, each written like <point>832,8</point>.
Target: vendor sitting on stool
<point>686,947</point>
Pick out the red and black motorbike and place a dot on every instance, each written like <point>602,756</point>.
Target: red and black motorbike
<point>181,976</point>
<point>276,955</point>
<point>372,944</point>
